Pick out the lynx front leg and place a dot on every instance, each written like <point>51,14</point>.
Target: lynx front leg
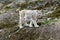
<point>35,23</point>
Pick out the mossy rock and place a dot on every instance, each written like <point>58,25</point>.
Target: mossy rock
<point>7,24</point>
<point>55,14</point>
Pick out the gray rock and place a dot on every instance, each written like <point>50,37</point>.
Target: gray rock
<point>12,5</point>
<point>4,34</point>
<point>9,19</point>
<point>45,32</point>
<point>1,5</point>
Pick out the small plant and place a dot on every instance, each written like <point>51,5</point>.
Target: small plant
<point>46,21</point>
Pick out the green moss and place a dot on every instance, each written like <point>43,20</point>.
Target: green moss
<point>7,8</point>
<point>23,6</point>
<point>18,5</point>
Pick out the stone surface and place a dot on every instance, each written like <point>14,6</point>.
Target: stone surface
<point>1,5</point>
<point>45,32</point>
<point>9,19</point>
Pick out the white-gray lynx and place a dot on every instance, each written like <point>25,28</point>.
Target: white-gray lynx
<point>26,16</point>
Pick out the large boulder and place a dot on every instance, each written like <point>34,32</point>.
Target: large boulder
<point>45,32</point>
<point>1,5</point>
<point>9,19</point>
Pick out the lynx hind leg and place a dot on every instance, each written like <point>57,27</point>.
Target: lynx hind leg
<point>30,25</point>
<point>20,24</point>
<point>20,20</point>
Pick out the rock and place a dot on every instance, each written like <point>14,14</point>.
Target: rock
<point>9,19</point>
<point>45,32</point>
<point>12,5</point>
<point>55,14</point>
<point>4,34</point>
<point>6,1</point>
<point>39,4</point>
<point>1,5</point>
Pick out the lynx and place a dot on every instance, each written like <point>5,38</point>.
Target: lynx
<point>28,16</point>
